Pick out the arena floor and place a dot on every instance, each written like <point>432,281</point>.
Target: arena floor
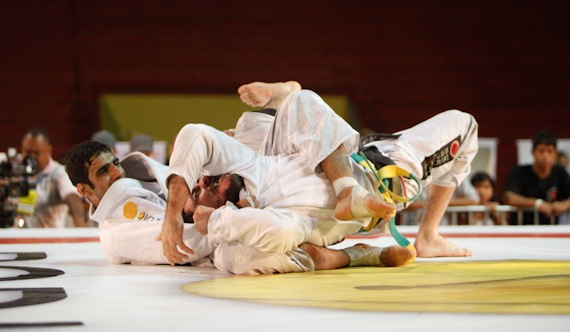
<point>518,279</point>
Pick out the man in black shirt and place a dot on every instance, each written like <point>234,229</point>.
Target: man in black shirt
<point>542,185</point>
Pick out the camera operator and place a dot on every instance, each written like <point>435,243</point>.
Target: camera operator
<point>56,195</point>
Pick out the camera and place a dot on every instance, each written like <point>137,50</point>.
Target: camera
<point>15,173</point>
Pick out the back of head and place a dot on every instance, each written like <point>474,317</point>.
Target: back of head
<point>544,137</point>
<point>105,137</point>
<point>142,143</point>
<point>79,158</point>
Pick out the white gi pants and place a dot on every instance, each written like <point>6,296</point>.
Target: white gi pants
<point>306,125</point>
<point>439,150</point>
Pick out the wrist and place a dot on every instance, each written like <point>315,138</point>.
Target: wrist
<point>538,203</point>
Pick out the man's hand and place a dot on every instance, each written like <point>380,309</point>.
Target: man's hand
<point>546,209</point>
<point>171,237</point>
<point>491,206</point>
<point>173,226</point>
<point>201,217</point>
<point>558,207</point>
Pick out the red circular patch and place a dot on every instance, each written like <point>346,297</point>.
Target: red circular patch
<point>453,149</point>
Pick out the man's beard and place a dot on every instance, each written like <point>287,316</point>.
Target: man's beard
<point>231,195</point>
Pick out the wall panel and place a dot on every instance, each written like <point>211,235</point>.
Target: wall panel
<point>399,62</point>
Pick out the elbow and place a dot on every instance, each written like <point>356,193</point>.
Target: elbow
<point>507,198</point>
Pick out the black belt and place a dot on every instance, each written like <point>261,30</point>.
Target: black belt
<point>377,137</point>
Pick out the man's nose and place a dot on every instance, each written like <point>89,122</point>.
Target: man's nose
<point>116,172</point>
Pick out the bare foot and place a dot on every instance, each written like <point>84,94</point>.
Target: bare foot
<point>396,256</point>
<point>258,94</point>
<point>392,256</point>
<point>438,246</point>
<point>361,204</point>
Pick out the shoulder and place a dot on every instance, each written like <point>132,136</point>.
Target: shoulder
<point>58,170</point>
<point>123,186</point>
<point>119,192</point>
<point>521,170</point>
<point>559,171</point>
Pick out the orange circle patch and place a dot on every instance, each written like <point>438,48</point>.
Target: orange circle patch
<point>130,210</point>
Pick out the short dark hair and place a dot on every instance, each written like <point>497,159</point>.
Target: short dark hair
<point>80,157</point>
<point>38,132</point>
<point>544,137</point>
<point>479,177</point>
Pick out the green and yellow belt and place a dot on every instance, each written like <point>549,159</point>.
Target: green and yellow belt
<point>384,174</point>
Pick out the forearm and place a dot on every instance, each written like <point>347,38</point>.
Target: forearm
<point>178,193</point>
<point>566,204</point>
<point>517,200</point>
<point>462,201</point>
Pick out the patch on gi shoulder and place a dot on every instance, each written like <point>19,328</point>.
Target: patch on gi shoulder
<point>130,210</point>
<point>447,153</point>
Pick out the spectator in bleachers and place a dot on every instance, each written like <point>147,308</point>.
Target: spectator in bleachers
<point>487,190</point>
<point>542,185</point>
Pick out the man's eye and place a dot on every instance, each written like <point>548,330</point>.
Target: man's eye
<point>216,182</point>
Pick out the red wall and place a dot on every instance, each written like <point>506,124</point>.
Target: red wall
<point>506,62</point>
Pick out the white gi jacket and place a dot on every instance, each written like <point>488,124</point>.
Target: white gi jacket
<point>131,213</point>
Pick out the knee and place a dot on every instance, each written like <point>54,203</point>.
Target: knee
<point>191,130</point>
<point>459,115</point>
<point>193,127</point>
<point>305,96</point>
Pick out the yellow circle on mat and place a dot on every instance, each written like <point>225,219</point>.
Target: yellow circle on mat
<point>130,210</point>
<point>513,287</point>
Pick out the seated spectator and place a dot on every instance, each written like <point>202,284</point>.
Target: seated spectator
<point>486,189</point>
<point>541,185</point>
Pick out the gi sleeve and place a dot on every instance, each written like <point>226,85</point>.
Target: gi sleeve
<point>137,243</point>
<point>131,236</point>
<point>202,150</point>
<point>269,230</point>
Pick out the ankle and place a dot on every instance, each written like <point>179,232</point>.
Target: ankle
<point>342,183</point>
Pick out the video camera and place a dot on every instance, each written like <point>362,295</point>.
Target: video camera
<point>14,183</point>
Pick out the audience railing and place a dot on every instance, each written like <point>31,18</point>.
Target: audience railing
<point>470,210</point>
